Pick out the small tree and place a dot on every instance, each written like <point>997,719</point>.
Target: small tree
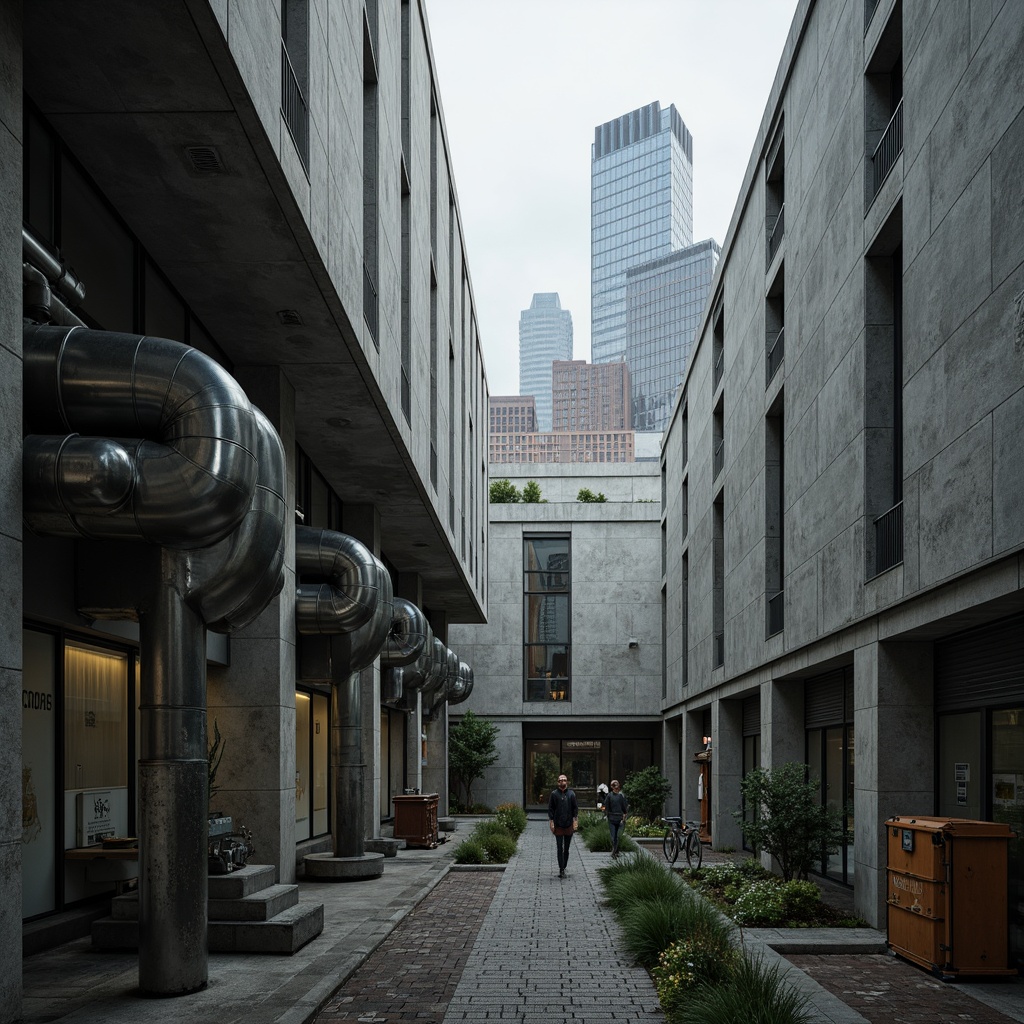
<point>504,492</point>
<point>647,791</point>
<point>586,494</point>
<point>471,750</point>
<point>531,493</point>
<point>789,821</point>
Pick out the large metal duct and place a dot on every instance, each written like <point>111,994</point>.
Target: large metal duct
<point>186,477</point>
<point>407,637</point>
<point>238,577</point>
<point>400,682</point>
<point>350,595</point>
<point>187,480</point>
<point>463,685</point>
<point>438,695</point>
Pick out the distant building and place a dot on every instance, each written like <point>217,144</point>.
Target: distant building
<point>563,446</point>
<point>545,334</point>
<point>516,414</point>
<point>665,301</point>
<point>589,396</point>
<point>641,184</point>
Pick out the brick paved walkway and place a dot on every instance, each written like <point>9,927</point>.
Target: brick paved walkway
<point>412,975</point>
<point>889,991</point>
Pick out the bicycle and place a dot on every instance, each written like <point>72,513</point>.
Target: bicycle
<point>685,838</point>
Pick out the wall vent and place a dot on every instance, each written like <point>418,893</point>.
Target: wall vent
<point>204,160</point>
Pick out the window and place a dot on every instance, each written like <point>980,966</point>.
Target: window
<point>883,103</point>
<point>775,197</point>
<point>718,602</point>
<point>295,74</point>
<point>774,515</point>
<point>775,325</point>
<point>312,729</point>
<point>547,642</point>
<point>370,177</point>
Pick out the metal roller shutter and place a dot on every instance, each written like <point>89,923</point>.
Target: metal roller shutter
<point>981,668</point>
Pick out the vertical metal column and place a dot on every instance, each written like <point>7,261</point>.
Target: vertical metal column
<point>347,768</point>
<point>173,789</point>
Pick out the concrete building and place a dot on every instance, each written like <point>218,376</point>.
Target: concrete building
<point>516,414</point>
<point>545,334</point>
<point>590,396</point>
<point>641,189</point>
<point>271,186</point>
<point>665,300</point>
<point>563,447</point>
<point>571,652</point>
<point>843,525</point>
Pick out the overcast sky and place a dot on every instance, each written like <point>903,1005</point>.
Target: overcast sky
<point>523,85</point>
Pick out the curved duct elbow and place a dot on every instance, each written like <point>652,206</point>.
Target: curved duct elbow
<point>64,281</point>
<point>463,685</point>
<point>351,594</point>
<point>245,571</point>
<point>407,637</point>
<point>358,649</point>
<point>187,477</point>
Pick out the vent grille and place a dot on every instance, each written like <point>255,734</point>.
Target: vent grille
<point>204,160</point>
<point>289,317</point>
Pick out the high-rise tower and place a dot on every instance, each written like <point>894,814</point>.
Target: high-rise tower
<point>641,203</point>
<point>545,334</point>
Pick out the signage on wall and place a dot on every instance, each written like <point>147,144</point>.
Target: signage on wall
<point>581,744</point>
<point>961,775</point>
<point>95,822</point>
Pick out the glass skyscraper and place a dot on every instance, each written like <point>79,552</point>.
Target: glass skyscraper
<point>545,334</point>
<point>641,185</point>
<point>665,300</point>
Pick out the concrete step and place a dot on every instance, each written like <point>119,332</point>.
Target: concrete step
<point>125,907</point>
<point>241,882</point>
<point>287,932</point>
<point>111,934</point>
<point>259,906</point>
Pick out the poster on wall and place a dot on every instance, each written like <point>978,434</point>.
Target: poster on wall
<point>94,818</point>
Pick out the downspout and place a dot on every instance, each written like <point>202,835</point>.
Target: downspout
<point>186,479</point>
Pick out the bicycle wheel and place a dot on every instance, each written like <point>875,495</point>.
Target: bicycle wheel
<point>694,849</point>
<point>670,844</point>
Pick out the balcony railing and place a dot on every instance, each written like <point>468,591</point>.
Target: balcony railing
<point>293,106</point>
<point>889,539</point>
<point>718,461</point>
<point>775,614</point>
<point>776,235</point>
<point>370,305</point>
<point>719,650</point>
<point>776,353</point>
<point>889,147</point>
<point>719,370</point>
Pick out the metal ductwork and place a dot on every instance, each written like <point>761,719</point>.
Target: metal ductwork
<point>463,685</point>
<point>185,480</point>
<point>407,637</point>
<point>358,649</point>
<point>438,694</point>
<point>203,470</point>
<point>61,278</point>
<point>351,594</point>
<point>238,577</point>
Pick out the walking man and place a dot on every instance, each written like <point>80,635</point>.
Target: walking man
<point>563,816</point>
<point>617,807</point>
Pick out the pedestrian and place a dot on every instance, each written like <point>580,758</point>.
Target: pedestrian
<point>564,819</point>
<point>617,807</point>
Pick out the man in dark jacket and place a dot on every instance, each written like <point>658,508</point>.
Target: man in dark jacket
<point>563,816</point>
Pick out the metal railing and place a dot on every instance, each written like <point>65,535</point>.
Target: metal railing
<point>293,106</point>
<point>889,147</point>
<point>370,304</point>
<point>719,370</point>
<point>719,650</point>
<point>718,461</point>
<point>776,235</point>
<point>776,353</point>
<point>889,539</point>
<point>775,614</point>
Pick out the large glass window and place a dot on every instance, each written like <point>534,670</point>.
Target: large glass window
<point>312,729</point>
<point>546,609</point>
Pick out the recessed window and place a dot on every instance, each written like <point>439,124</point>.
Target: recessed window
<point>546,610</point>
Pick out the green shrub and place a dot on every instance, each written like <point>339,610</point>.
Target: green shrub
<point>695,959</point>
<point>480,809</point>
<point>512,816</point>
<point>499,846</point>
<point>753,993</point>
<point>647,790</point>
<point>630,888</point>
<point>650,926</point>
<point>470,851</point>
<point>801,901</point>
<point>491,827</point>
<point>599,840</point>
<point>760,905</point>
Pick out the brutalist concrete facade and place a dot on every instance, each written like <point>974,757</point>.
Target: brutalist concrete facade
<point>843,481</point>
<point>319,253</point>
<point>615,618</point>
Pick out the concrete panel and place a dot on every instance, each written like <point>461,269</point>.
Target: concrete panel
<point>944,294</point>
<point>802,606</point>
<point>10,439</point>
<point>840,408</point>
<point>1007,474</point>
<point>841,566</point>
<point>10,759</point>
<point>1008,226</point>
<point>917,216</point>
<point>956,506</point>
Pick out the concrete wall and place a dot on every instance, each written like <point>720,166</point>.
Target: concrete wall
<point>10,511</point>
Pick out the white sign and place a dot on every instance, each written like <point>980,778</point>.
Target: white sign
<point>95,820</point>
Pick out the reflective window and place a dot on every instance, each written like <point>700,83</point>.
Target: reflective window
<point>546,610</point>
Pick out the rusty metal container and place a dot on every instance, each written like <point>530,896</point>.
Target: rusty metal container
<point>416,819</point>
<point>947,894</point>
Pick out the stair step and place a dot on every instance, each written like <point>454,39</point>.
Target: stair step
<point>287,932</point>
<point>259,906</point>
<point>111,934</point>
<point>241,882</point>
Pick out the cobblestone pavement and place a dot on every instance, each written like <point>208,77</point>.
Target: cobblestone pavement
<point>413,973</point>
<point>889,991</point>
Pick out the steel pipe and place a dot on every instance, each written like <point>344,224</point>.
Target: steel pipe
<point>351,594</point>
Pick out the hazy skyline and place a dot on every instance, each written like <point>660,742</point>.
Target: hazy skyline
<point>522,88</point>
